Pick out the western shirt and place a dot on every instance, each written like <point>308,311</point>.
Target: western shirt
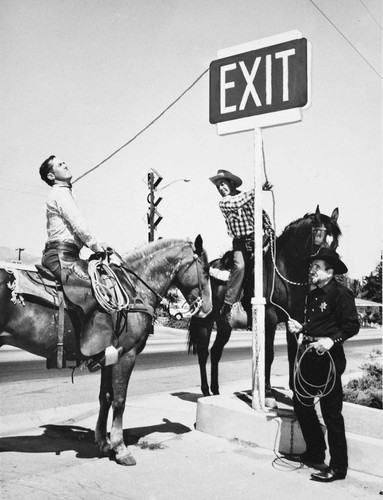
<point>238,211</point>
<point>65,223</point>
<point>331,312</point>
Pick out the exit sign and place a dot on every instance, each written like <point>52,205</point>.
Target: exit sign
<point>268,79</point>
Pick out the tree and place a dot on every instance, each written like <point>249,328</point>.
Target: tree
<point>372,287</point>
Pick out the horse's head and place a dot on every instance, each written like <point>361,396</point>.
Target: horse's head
<point>193,280</point>
<point>326,232</point>
<point>305,236</point>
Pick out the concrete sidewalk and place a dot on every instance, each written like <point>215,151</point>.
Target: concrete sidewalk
<point>50,454</point>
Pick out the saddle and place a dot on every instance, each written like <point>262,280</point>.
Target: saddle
<point>96,330</point>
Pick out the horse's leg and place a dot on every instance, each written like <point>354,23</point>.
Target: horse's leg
<point>105,398</point>
<point>271,322</point>
<point>199,339</point>
<point>121,373</point>
<point>203,355</point>
<point>221,339</point>
<point>203,340</point>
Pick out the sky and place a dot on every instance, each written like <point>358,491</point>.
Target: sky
<point>80,78</point>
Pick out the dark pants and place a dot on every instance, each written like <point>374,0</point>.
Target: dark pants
<point>331,407</point>
<point>95,327</point>
<point>241,257</point>
<point>50,258</point>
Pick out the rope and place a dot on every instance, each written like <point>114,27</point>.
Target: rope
<point>142,130</point>
<point>106,287</point>
<point>273,243</point>
<point>304,389</point>
<point>312,390</point>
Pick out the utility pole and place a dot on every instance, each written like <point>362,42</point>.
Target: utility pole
<point>154,218</point>
<point>19,250</point>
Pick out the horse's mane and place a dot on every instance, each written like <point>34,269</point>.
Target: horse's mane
<point>292,226</point>
<point>307,220</point>
<point>148,249</point>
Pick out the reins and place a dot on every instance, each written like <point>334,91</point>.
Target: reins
<point>194,307</point>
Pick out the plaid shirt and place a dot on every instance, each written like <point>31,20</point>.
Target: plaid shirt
<point>238,211</point>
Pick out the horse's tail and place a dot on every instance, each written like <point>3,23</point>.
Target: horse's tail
<point>196,326</point>
<point>193,336</point>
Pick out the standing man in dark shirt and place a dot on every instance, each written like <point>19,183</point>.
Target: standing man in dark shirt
<point>330,319</point>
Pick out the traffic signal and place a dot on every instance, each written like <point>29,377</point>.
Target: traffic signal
<point>154,217</point>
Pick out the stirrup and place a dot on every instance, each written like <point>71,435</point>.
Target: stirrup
<point>111,356</point>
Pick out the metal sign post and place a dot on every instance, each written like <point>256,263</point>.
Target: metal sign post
<point>258,301</point>
<point>260,84</point>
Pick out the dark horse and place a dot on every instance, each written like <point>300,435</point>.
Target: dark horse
<point>285,273</point>
<point>157,266</point>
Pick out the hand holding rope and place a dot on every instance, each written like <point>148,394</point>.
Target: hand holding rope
<point>107,289</point>
<point>302,388</point>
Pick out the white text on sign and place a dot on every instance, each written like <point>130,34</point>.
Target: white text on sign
<point>249,77</point>
<point>261,81</point>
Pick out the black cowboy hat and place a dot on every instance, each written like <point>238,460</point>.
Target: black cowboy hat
<point>332,257</point>
<point>225,174</point>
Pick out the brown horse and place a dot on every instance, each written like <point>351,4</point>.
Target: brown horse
<point>285,271</point>
<point>153,269</point>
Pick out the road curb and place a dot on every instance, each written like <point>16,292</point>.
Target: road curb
<point>230,417</point>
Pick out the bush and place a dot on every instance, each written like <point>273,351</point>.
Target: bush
<point>367,390</point>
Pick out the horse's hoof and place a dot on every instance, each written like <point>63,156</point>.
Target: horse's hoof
<point>125,459</point>
<point>270,402</point>
<point>104,449</point>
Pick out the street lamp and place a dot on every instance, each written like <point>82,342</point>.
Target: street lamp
<point>154,217</point>
<point>170,183</point>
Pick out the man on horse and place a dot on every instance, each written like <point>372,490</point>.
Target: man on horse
<point>67,234</point>
<point>238,210</point>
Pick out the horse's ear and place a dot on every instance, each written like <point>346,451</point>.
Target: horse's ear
<point>318,214</point>
<point>335,214</point>
<point>198,245</point>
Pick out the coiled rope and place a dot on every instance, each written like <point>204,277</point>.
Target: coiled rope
<point>303,389</point>
<point>107,289</point>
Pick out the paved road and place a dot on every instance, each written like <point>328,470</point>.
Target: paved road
<point>163,366</point>
<point>50,454</point>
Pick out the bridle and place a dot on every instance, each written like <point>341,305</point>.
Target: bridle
<point>294,283</point>
<point>196,305</point>
<point>272,246</point>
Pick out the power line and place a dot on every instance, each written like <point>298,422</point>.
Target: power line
<point>365,6</point>
<point>142,130</point>
<point>347,40</point>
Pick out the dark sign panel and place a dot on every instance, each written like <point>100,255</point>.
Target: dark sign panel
<point>260,81</point>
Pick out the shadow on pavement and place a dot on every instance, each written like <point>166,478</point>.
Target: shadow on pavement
<point>188,396</point>
<point>55,439</point>
<point>59,438</point>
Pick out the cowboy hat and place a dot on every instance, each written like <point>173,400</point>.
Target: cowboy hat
<point>332,257</point>
<point>225,174</point>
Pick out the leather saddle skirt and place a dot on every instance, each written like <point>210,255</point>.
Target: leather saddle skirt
<point>97,326</point>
